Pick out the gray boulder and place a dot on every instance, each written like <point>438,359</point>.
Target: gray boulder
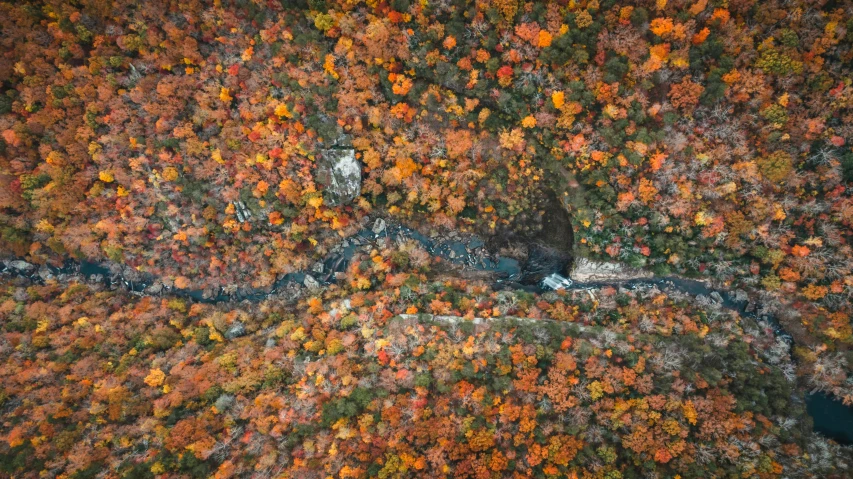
<point>45,273</point>
<point>378,226</point>
<point>21,265</point>
<point>311,283</point>
<point>235,331</point>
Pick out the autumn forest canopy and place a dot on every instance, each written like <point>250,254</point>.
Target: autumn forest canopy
<point>225,145</point>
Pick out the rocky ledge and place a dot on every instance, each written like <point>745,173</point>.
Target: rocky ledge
<point>589,271</point>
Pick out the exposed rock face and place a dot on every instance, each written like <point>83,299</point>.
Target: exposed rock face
<point>340,174</point>
<point>588,271</point>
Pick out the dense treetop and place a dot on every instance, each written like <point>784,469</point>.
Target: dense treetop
<point>184,139</point>
<point>688,137</point>
<point>395,382</point>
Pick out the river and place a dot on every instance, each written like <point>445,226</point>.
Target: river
<point>831,417</point>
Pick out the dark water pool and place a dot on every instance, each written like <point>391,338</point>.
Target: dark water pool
<point>831,418</point>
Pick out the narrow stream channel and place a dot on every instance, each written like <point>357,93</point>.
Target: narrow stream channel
<point>831,417</point>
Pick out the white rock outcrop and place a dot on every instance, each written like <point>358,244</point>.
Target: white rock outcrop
<point>588,271</point>
<point>340,174</point>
